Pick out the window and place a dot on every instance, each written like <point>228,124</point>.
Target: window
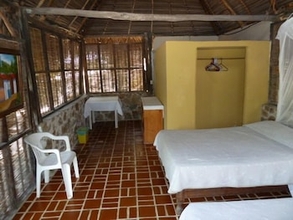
<point>115,64</point>
<point>16,176</point>
<point>16,164</point>
<point>57,69</point>
<point>72,68</point>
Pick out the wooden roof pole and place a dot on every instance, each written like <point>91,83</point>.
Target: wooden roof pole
<point>241,24</point>
<point>85,18</point>
<point>8,25</point>
<point>147,17</point>
<point>245,6</point>
<point>84,5</point>
<point>216,25</point>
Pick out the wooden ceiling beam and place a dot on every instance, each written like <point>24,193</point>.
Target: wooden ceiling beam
<point>74,19</point>
<point>230,9</point>
<point>216,25</point>
<point>94,3</point>
<point>146,17</point>
<point>8,25</point>
<point>245,6</point>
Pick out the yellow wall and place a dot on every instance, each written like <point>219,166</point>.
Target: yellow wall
<point>175,78</point>
<point>178,82</point>
<point>160,79</point>
<point>256,79</point>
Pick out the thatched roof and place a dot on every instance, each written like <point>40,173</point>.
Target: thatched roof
<point>160,17</point>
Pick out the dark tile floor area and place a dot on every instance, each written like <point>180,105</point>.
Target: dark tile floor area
<point>120,178</point>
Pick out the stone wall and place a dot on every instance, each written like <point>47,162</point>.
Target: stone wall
<point>274,65</point>
<point>269,110</point>
<point>131,107</point>
<point>68,119</point>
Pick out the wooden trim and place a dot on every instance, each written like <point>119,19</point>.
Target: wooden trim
<point>146,17</point>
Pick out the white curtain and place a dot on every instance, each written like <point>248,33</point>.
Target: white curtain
<point>285,96</point>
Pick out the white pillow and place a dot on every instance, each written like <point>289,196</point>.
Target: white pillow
<point>274,130</point>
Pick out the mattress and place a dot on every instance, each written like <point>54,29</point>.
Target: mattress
<point>256,154</point>
<point>271,209</point>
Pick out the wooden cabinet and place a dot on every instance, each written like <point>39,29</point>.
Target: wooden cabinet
<point>152,118</point>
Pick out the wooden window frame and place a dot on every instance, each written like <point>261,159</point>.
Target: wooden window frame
<point>55,100</point>
<point>115,68</point>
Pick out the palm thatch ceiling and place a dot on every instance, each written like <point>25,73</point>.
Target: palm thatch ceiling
<point>160,17</point>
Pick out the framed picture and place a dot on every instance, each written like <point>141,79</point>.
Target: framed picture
<point>10,87</point>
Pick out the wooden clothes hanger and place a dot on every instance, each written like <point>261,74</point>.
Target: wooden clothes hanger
<point>222,66</point>
<point>215,66</point>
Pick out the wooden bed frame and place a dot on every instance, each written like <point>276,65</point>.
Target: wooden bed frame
<point>182,196</point>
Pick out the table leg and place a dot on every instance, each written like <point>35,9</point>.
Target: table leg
<point>179,200</point>
<point>90,120</point>
<point>116,119</point>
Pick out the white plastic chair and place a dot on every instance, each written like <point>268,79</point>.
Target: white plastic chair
<point>52,159</point>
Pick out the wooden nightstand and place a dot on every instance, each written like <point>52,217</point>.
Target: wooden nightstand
<point>152,118</point>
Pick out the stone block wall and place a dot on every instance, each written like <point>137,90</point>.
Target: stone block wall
<point>68,119</point>
<point>131,107</point>
<point>274,64</point>
<point>269,112</point>
<point>269,109</point>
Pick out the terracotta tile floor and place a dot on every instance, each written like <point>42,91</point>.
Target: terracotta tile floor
<point>120,178</point>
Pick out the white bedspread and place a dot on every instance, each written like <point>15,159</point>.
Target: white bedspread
<point>269,209</point>
<point>252,155</point>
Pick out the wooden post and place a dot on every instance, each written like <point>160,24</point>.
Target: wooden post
<point>5,136</point>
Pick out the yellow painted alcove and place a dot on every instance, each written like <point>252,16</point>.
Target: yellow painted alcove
<point>178,75</point>
<point>219,92</point>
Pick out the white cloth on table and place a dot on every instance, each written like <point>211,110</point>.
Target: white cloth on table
<point>105,103</point>
<point>110,103</point>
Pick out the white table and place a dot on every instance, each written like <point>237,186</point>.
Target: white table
<point>106,103</point>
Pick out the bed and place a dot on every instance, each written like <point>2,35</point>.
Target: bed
<point>272,209</point>
<point>217,161</point>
